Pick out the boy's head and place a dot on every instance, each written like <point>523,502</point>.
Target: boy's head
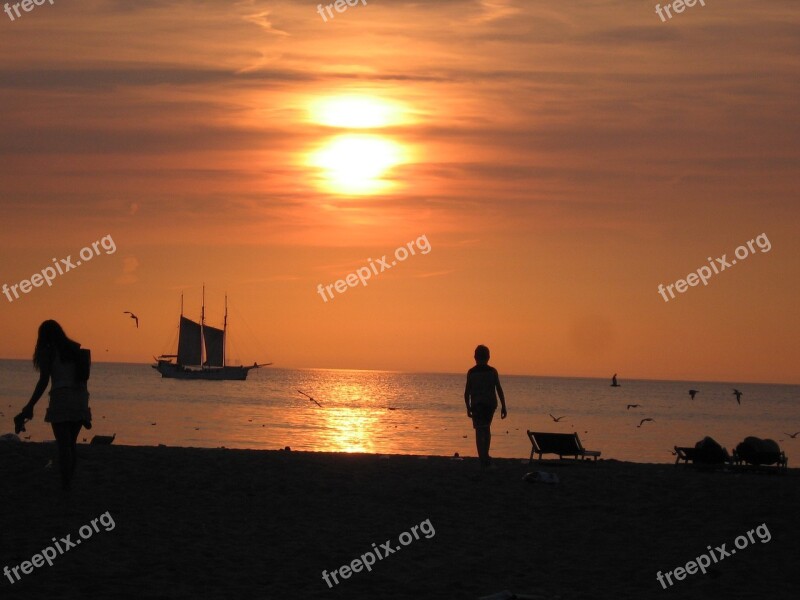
<point>481,355</point>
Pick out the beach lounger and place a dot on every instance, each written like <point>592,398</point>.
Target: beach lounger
<point>706,453</point>
<point>563,444</point>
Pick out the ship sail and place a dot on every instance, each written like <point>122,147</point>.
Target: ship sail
<point>215,345</point>
<point>189,342</point>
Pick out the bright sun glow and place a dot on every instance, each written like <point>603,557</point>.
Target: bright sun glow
<point>357,112</point>
<point>356,163</point>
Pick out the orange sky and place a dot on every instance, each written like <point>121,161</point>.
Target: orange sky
<point>563,161</point>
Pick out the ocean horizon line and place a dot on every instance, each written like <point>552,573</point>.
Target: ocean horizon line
<point>461,373</point>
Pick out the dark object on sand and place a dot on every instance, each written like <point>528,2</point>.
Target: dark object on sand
<point>103,440</point>
<point>757,452</point>
<point>506,595</point>
<point>563,444</point>
<point>541,477</point>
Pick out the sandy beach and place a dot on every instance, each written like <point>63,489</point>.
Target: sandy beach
<point>200,523</point>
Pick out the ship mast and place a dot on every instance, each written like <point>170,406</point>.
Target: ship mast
<point>202,325</point>
<point>225,331</point>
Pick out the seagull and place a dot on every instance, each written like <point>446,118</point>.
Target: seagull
<point>310,398</point>
<point>692,393</point>
<point>630,406</point>
<point>614,381</point>
<point>133,316</point>
<point>644,420</point>
<point>738,395</point>
<point>556,419</point>
<point>792,435</point>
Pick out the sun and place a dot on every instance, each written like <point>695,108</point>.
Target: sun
<point>357,112</point>
<point>357,163</point>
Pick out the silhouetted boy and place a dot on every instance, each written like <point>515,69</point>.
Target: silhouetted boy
<point>481,400</point>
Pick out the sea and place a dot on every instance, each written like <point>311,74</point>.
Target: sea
<point>384,412</point>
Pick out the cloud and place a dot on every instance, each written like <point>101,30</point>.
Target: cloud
<point>130,264</point>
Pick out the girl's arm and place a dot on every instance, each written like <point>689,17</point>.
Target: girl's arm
<point>41,386</point>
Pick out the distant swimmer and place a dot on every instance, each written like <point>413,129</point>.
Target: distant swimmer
<point>643,421</point>
<point>738,395</point>
<point>614,381</point>
<point>133,316</point>
<point>792,435</point>
<point>630,406</point>
<point>310,398</point>
<point>692,393</point>
<point>557,419</point>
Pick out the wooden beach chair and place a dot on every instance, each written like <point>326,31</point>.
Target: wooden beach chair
<point>563,444</point>
<point>694,456</point>
<point>685,454</point>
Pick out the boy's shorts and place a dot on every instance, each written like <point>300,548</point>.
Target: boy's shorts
<point>482,415</point>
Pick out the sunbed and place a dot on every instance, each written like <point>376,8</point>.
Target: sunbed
<point>563,444</point>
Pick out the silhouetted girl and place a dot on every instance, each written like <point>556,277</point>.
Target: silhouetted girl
<point>59,358</point>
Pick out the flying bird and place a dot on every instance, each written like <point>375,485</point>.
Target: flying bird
<point>645,420</point>
<point>692,393</point>
<point>614,381</point>
<point>792,435</point>
<point>630,406</point>
<point>738,395</point>
<point>556,419</point>
<point>310,398</point>
<point>133,316</point>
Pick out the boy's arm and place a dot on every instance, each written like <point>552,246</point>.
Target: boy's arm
<point>466,397</point>
<point>501,395</point>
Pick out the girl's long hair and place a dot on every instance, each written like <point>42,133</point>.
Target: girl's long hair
<point>52,337</point>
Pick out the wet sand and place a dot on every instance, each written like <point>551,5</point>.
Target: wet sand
<point>201,523</point>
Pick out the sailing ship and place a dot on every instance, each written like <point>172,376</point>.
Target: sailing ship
<point>201,351</point>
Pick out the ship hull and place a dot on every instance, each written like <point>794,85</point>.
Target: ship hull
<point>170,370</point>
